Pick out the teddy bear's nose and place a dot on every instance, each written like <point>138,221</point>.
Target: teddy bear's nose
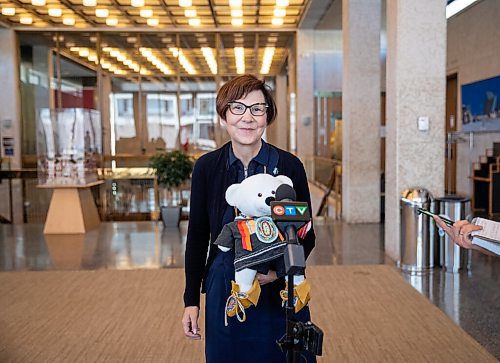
<point>269,200</point>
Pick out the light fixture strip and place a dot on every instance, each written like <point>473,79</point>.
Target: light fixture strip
<point>267,60</point>
<point>210,58</point>
<point>239,56</point>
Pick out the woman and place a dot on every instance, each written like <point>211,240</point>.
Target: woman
<point>246,108</point>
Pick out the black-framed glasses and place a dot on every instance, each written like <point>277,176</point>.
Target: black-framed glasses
<point>238,108</point>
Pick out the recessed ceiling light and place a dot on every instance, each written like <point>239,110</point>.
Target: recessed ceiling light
<point>194,21</point>
<point>185,3</point>
<point>89,2</point>
<point>131,40</point>
<point>146,13</point>
<point>235,3</point>
<point>8,11</point>
<point>277,21</point>
<point>38,2</point>
<point>83,52</point>
<point>279,13</point>
<point>55,12</point>
<point>69,20</point>
<point>190,13</point>
<point>237,21</point>
<point>111,21</point>
<point>26,19</point>
<point>282,3</point>
<point>137,3</point>
<point>236,13</point>
<point>101,12</point>
<point>153,21</point>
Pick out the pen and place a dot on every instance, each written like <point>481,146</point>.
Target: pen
<point>445,220</point>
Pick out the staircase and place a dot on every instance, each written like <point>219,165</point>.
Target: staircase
<point>486,179</point>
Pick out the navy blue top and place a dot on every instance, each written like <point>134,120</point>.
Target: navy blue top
<point>213,173</point>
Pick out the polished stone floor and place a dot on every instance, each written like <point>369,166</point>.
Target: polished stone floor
<point>470,298</point>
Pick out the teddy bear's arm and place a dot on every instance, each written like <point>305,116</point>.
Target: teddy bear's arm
<point>225,238</point>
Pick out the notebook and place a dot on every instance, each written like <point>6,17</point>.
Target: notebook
<point>489,237</point>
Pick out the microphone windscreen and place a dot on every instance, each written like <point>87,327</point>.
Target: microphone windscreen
<point>285,192</point>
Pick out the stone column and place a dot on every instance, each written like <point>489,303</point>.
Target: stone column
<point>416,75</point>
<point>361,111</point>
<point>305,93</point>
<point>277,133</point>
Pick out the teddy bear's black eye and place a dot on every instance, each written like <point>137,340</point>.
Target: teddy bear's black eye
<point>260,194</point>
<point>273,192</point>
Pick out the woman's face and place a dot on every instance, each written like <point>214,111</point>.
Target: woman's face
<point>246,129</point>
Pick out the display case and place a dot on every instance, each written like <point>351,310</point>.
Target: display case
<point>68,146</point>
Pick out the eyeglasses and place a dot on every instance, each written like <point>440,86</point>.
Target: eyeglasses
<point>238,108</point>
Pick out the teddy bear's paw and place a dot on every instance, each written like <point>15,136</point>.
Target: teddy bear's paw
<point>301,295</point>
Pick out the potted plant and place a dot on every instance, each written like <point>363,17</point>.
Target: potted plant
<point>172,169</point>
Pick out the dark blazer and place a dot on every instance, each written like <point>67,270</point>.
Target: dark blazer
<point>212,175</point>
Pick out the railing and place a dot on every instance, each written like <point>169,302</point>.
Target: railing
<point>326,174</point>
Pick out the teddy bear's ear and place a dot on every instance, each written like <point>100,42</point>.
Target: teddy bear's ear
<point>285,180</point>
<point>232,194</point>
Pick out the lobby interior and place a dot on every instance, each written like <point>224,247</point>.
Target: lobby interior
<point>350,80</point>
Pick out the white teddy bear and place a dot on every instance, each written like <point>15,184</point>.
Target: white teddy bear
<point>257,241</point>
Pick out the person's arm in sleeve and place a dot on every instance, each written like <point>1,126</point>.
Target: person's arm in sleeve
<point>197,243</point>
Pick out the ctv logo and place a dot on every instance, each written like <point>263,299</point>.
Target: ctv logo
<point>291,210</point>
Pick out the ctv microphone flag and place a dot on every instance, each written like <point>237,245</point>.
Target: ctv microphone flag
<point>290,211</point>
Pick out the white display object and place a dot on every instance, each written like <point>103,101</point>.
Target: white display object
<point>68,146</point>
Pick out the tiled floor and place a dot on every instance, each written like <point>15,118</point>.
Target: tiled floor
<point>470,298</point>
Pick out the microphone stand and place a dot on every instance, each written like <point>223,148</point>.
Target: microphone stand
<point>294,261</point>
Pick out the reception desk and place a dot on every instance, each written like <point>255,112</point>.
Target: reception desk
<point>72,209</point>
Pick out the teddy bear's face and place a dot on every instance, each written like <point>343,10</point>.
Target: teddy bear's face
<point>253,195</point>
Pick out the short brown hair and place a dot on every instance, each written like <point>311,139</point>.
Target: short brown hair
<point>238,88</point>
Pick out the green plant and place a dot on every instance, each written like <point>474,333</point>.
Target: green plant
<point>171,168</point>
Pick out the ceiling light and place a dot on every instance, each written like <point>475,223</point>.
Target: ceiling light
<point>105,64</point>
<point>153,21</point>
<point>92,57</point>
<point>236,13</point>
<point>279,13</point>
<point>235,3</point>
<point>114,53</point>
<point>111,21</point>
<point>89,2</point>
<point>457,6</point>
<point>239,55</point>
<point>277,21</point>
<point>267,60</point>
<point>8,11</point>
<point>107,49</point>
<point>137,3</point>
<point>209,57</point>
<point>69,20</point>
<point>237,21</point>
<point>74,49</point>
<point>194,21</point>
<point>55,12</point>
<point>282,3</point>
<point>83,52</point>
<point>38,2</point>
<point>101,12</point>
<point>146,13</point>
<point>131,40</point>
<point>185,3</point>
<point>26,19</point>
<point>190,13</point>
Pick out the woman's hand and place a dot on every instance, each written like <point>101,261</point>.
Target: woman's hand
<point>190,322</point>
<point>265,279</point>
<point>460,232</point>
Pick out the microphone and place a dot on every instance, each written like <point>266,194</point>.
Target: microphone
<point>289,215</point>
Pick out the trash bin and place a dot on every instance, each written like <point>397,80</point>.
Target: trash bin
<point>416,246</point>
<point>451,256</point>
